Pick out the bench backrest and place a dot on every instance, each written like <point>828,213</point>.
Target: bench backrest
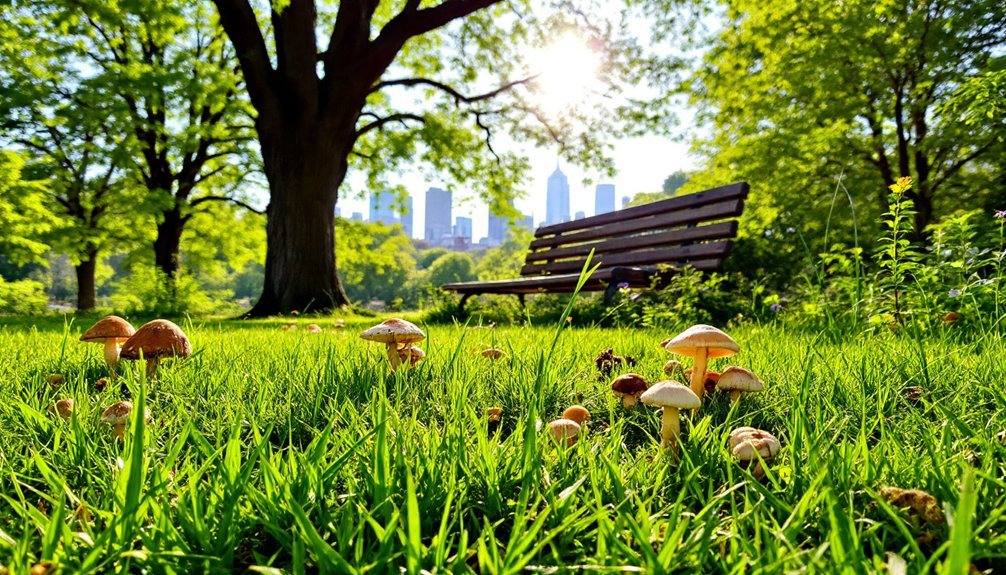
<point>682,230</point>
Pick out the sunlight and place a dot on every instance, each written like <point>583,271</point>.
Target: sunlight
<point>567,72</point>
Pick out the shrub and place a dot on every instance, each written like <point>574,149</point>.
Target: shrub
<point>22,297</point>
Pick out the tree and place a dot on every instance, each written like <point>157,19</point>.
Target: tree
<point>673,182</point>
<point>168,77</point>
<point>452,267</point>
<point>377,260</point>
<point>797,92</point>
<point>324,106</point>
<point>23,213</point>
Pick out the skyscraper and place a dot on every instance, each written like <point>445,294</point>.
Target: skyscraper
<point>438,215</point>
<point>579,215</point>
<point>382,208</point>
<point>406,218</point>
<point>463,228</point>
<point>557,200</point>
<point>604,199</point>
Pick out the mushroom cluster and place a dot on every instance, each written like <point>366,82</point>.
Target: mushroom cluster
<point>566,429</point>
<point>153,341</point>
<point>398,336</point>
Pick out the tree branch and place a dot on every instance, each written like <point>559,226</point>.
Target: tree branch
<point>239,22</point>
<point>414,22</point>
<point>401,118</point>
<point>458,97</point>
<point>234,201</point>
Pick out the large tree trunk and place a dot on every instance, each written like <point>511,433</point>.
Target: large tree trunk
<point>300,267</point>
<point>167,245</point>
<point>86,290</point>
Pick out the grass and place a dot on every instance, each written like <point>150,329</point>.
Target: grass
<point>290,452</point>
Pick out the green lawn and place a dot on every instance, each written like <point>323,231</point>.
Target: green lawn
<point>296,452</point>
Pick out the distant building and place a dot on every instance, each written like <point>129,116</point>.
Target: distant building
<point>604,199</point>
<point>462,233</point>
<point>557,200</point>
<point>406,219</point>
<point>579,215</point>
<point>438,215</point>
<point>382,208</point>
<point>625,202</point>
<point>527,222</point>
<point>357,217</point>
<point>338,212</point>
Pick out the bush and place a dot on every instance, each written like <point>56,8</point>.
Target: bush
<point>22,297</point>
<point>147,291</point>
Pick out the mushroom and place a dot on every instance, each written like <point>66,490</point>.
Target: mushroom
<point>340,323</point>
<point>493,353</point>
<point>111,331</point>
<point>672,397</point>
<point>629,386</point>
<point>951,318</point>
<point>494,414</point>
<point>565,431</point>
<point>736,380</point>
<point>101,384</point>
<point>671,366</point>
<point>313,328</point>
<point>710,381</point>
<point>55,380</point>
<point>154,340</point>
<point>411,355</point>
<point>702,342</point>
<point>749,445</point>
<point>577,413</point>
<point>920,503</point>
<point>393,333</point>
<point>117,415</point>
<point>64,408</point>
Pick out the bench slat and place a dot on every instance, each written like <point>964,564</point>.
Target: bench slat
<point>687,201</point>
<point>709,212</point>
<point>722,230</point>
<point>565,283</point>
<point>641,257</point>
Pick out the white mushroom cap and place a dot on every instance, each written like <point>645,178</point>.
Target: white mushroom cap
<point>670,394</point>
<point>738,378</point>
<point>565,431</point>
<point>755,443</point>
<point>716,343</point>
<point>117,413</point>
<point>737,435</point>
<point>394,331</point>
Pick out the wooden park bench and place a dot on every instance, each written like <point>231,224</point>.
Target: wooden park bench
<point>635,247</point>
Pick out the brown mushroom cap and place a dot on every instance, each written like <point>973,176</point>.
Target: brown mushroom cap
<point>577,413</point>
<point>158,338</point>
<point>111,327</point>
<point>738,378</point>
<point>751,443</point>
<point>494,414</point>
<point>629,383</point>
<point>493,353</point>
<point>715,342</point>
<point>565,431</point>
<point>64,407</point>
<point>117,413</point>
<point>394,331</point>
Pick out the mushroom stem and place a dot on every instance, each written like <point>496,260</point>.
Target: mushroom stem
<point>120,431</point>
<point>152,367</point>
<point>758,471</point>
<point>112,352</point>
<point>735,394</point>
<point>699,372</point>
<point>628,401</point>
<point>670,428</point>
<point>393,356</point>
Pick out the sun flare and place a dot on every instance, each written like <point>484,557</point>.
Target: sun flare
<point>567,73</point>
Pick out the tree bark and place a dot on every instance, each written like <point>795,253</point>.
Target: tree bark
<point>167,244</point>
<point>86,290</point>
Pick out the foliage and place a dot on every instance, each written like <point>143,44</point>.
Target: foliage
<point>145,291</point>
<point>23,212</point>
<point>376,261</point>
<point>797,92</point>
<point>22,297</point>
<point>898,260</point>
<point>505,261</point>
<point>452,267</point>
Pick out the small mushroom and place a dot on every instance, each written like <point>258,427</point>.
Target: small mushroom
<point>313,328</point>
<point>493,353</point>
<point>738,380</point>
<point>155,340</point>
<point>411,355</point>
<point>702,342</point>
<point>577,413</point>
<point>101,384</point>
<point>394,333</point>
<point>629,386</point>
<point>952,317</point>
<point>111,331</point>
<point>919,502</point>
<point>55,380</point>
<point>709,384</point>
<point>671,367</point>
<point>63,408</point>
<point>565,431</point>
<point>749,445</point>
<point>117,415</point>
<point>340,323</point>
<point>672,397</point>
<point>494,414</point>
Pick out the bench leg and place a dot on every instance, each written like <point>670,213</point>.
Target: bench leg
<point>609,293</point>
<point>520,298</point>
<point>464,300</point>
